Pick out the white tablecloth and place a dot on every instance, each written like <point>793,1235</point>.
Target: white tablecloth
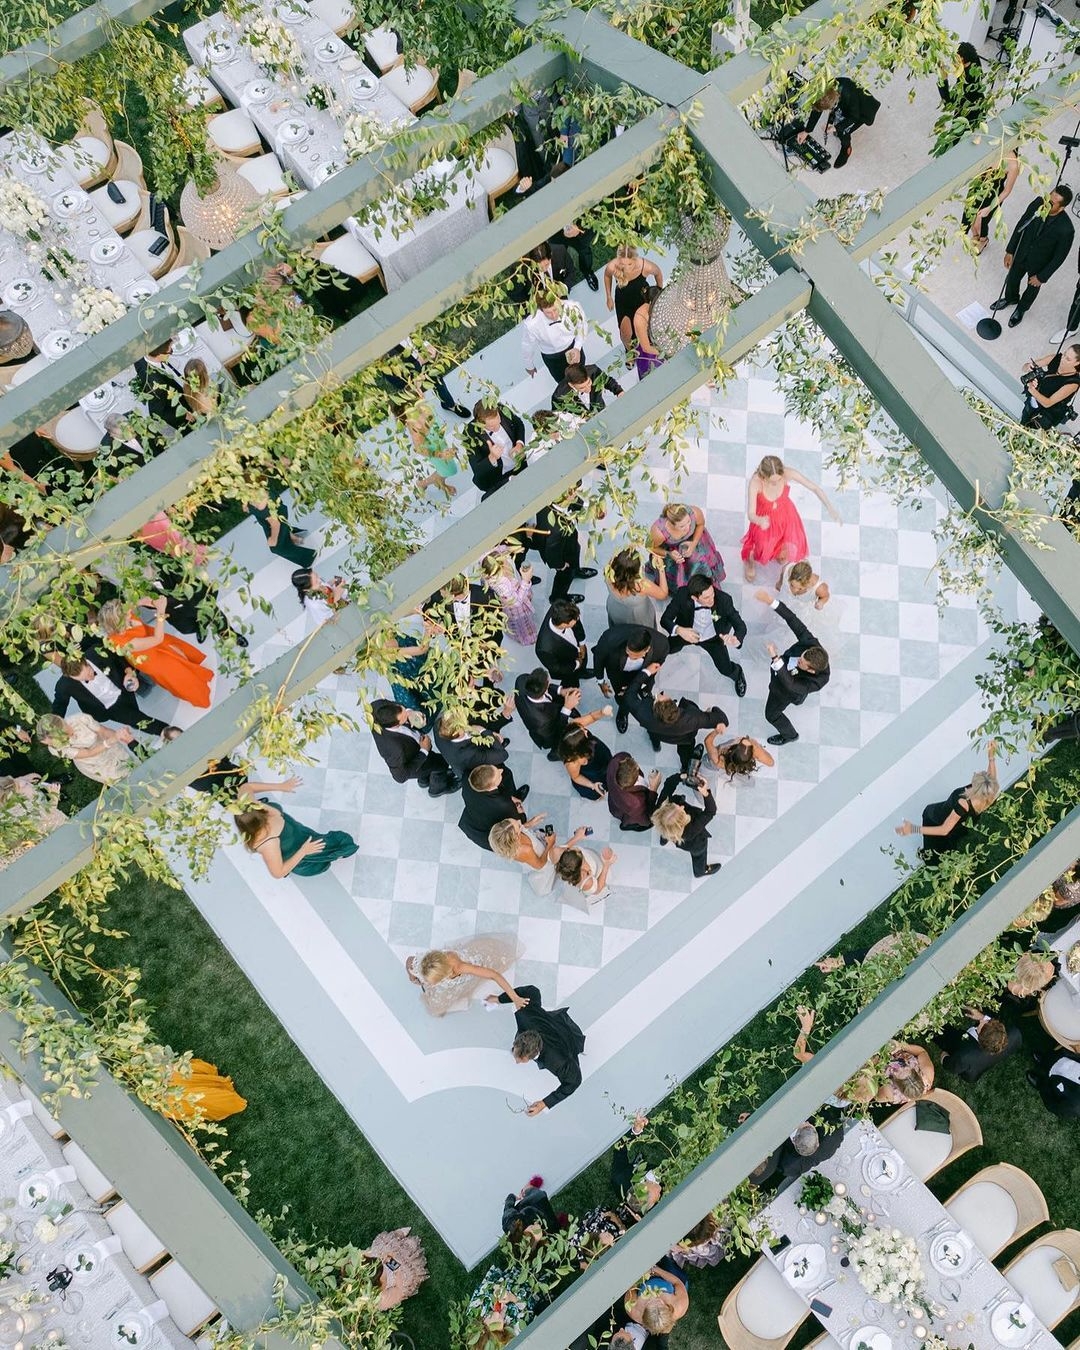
<point>1060,946</point>
<point>968,1297</point>
<point>112,1292</point>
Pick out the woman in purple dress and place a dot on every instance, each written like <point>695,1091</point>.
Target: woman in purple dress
<point>646,356</point>
<point>514,592</point>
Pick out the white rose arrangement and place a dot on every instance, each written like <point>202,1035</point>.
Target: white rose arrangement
<point>45,1230</point>
<point>363,135</point>
<point>22,211</point>
<point>96,308</point>
<point>889,1267</point>
<point>271,44</point>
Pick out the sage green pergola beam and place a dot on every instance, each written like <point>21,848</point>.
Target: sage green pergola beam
<point>107,353</point>
<point>166,1183</point>
<point>83,33</point>
<point>37,873</point>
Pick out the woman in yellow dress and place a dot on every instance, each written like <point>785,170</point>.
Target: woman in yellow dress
<point>205,1092</point>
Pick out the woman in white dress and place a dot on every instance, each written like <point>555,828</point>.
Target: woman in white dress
<point>535,850</point>
<point>449,978</point>
<point>582,869</point>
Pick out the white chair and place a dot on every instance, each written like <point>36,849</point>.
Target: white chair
<point>122,216</point>
<point>497,172</point>
<point>762,1312</point>
<point>128,163</point>
<point>141,242</point>
<point>416,87</point>
<point>265,175</point>
<point>234,133</point>
<point>50,1122</point>
<point>188,1306</point>
<point>76,435</point>
<point>1033,1276</point>
<point>140,1245</point>
<point>87,159</point>
<point>283,202</point>
<point>348,255</point>
<point>340,15</point>
<point>924,1151</point>
<point>1059,1013</point>
<point>998,1205</point>
<point>381,45</point>
<point>198,91</point>
<point>91,1178</point>
<point>227,344</point>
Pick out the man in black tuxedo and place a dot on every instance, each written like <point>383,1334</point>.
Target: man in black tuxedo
<point>464,746</point>
<point>490,795</point>
<point>158,386</point>
<point>407,753</point>
<point>668,722</point>
<point>800,671</point>
<point>558,543</point>
<point>1057,1079</point>
<point>987,1042</point>
<point>623,650</point>
<point>553,263</point>
<point>560,644</point>
<point>552,1040</point>
<point>496,439</point>
<point>547,713</point>
<point>460,602</point>
<point>1037,247</point>
<point>103,686</point>
<point>703,615</point>
<point>581,391</point>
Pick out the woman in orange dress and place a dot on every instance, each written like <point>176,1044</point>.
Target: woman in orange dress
<point>169,661</point>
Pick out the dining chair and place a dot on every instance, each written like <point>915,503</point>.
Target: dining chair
<point>190,250</point>
<point>263,172</point>
<point>77,437</point>
<point>141,1247</point>
<point>143,239</point>
<point>925,1151</point>
<point>91,1178</point>
<point>998,1205</point>
<point>384,47</point>
<point>198,91</point>
<point>124,215</point>
<point>90,155</point>
<point>348,255</point>
<point>416,87</point>
<point>1059,1014</point>
<point>340,15</point>
<point>1033,1276</point>
<point>762,1312</point>
<point>465,80</point>
<point>189,1307</point>
<point>50,1122</point>
<point>129,163</point>
<point>228,344</point>
<point>234,133</point>
<point>497,170</point>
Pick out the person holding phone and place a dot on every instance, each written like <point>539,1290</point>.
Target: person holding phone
<point>537,850</point>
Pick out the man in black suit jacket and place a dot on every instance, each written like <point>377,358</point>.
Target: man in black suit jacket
<point>496,440</point>
<point>490,795</point>
<point>581,391</point>
<point>703,615</point>
<point>159,387</point>
<point>623,650</point>
<point>1057,1078</point>
<point>460,602</point>
<point>101,684</point>
<point>558,543</point>
<point>552,1040</point>
<point>547,713</point>
<point>1037,247</point>
<point>464,747</point>
<point>969,1053</point>
<point>406,753</point>
<point>671,723</point>
<point>800,671</point>
<point>560,644</point>
<point>695,834</point>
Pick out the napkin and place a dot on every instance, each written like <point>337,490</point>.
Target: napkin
<point>351,64</point>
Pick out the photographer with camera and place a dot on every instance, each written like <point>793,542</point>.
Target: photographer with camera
<point>686,826</point>
<point>1050,384</point>
<point>849,108</point>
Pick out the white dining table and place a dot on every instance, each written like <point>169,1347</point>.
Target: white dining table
<point>973,1301</point>
<point>107,1305</point>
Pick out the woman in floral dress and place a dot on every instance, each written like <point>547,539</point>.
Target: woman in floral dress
<point>448,979</point>
<point>514,592</point>
<point>682,539</point>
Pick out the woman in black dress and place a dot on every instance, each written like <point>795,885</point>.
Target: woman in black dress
<point>1049,395</point>
<point>944,824</point>
<point>264,505</point>
<point>634,280</point>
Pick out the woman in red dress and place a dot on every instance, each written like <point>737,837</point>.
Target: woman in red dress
<point>776,532</point>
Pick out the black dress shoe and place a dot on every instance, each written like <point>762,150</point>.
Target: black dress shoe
<point>1032,1079</point>
<point>591,281</point>
<point>522,793</point>
<point>241,640</point>
<point>453,782</point>
<point>583,573</point>
<point>1001,304</point>
<point>654,741</point>
<point>575,599</point>
<point>553,754</point>
<point>711,870</point>
<point>782,740</point>
<point>1016,318</point>
<point>459,409</point>
<point>622,721</point>
<point>740,682</point>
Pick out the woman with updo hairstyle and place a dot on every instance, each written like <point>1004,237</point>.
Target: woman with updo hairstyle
<point>909,1075</point>
<point>286,846</point>
<point>944,824</point>
<point>739,758</point>
<point>448,978</point>
<point>630,593</point>
<point>680,536</point>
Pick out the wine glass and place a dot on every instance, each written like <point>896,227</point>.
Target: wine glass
<point>12,1327</point>
<point>84,1329</point>
<point>951,1289</point>
<point>72,1300</point>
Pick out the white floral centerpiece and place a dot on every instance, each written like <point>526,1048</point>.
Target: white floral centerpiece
<point>1072,959</point>
<point>889,1268</point>
<point>96,308</point>
<point>22,211</point>
<point>46,1231</point>
<point>363,134</point>
<point>271,44</point>
<point>7,1258</point>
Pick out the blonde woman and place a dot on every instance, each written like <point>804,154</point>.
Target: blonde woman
<point>633,279</point>
<point>535,850</point>
<point>660,1300</point>
<point>98,752</point>
<point>679,536</point>
<point>28,812</point>
<point>944,824</point>
<point>514,592</point>
<point>909,1075</point>
<point>450,978</point>
<point>686,826</point>
<point>776,532</point>
<point>630,593</point>
<point>803,581</point>
<point>430,442</point>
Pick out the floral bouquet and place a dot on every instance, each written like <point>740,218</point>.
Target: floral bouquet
<point>22,212</point>
<point>817,1191</point>
<point>96,308</point>
<point>820,1196</point>
<point>889,1267</point>
<point>7,1258</point>
<point>364,134</point>
<point>271,44</point>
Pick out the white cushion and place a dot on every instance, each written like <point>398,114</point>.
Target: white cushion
<point>141,1247</point>
<point>264,174</point>
<point>348,255</point>
<point>75,432</point>
<point>50,1122</point>
<point>409,85</point>
<point>84,158</point>
<point>198,91</point>
<point>339,15</point>
<point>29,368</point>
<point>924,1151</point>
<point>988,1212</point>
<point>92,1179</point>
<point>496,168</point>
<point>1032,1276</point>
<point>382,47</point>
<point>156,264</point>
<point>283,202</point>
<point>225,343</point>
<point>120,215</point>
<point>177,274</point>
<point>188,1306</point>
<point>233,131</point>
<point>1061,1011</point>
<point>766,1305</point>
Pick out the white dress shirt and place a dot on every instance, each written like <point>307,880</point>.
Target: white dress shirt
<point>505,446</point>
<point>1066,1068</point>
<point>102,687</point>
<point>543,336</point>
<point>704,625</point>
<point>463,614</point>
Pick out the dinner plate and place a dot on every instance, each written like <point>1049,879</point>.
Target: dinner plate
<point>20,291</point>
<point>804,1267</point>
<point>183,341</point>
<point>292,14</point>
<point>106,250</point>
<point>293,131</point>
<point>1012,1323</point>
<point>132,1329</point>
<point>34,161</point>
<point>35,1191</point>
<point>327,170</point>
<point>84,1264</point>
<point>870,1338</point>
<point>329,50</point>
<point>69,203</point>
<point>100,398</point>
<point>139,291</point>
<point>258,91</point>
<point>56,343</point>
<point>363,86</point>
<point>882,1170</point>
<point>220,49</point>
<point>950,1253</point>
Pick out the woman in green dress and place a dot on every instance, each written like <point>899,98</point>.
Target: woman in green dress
<point>287,846</point>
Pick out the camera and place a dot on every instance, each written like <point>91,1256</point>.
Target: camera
<point>812,154</point>
<point>1035,372</point>
<point>694,780</point>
